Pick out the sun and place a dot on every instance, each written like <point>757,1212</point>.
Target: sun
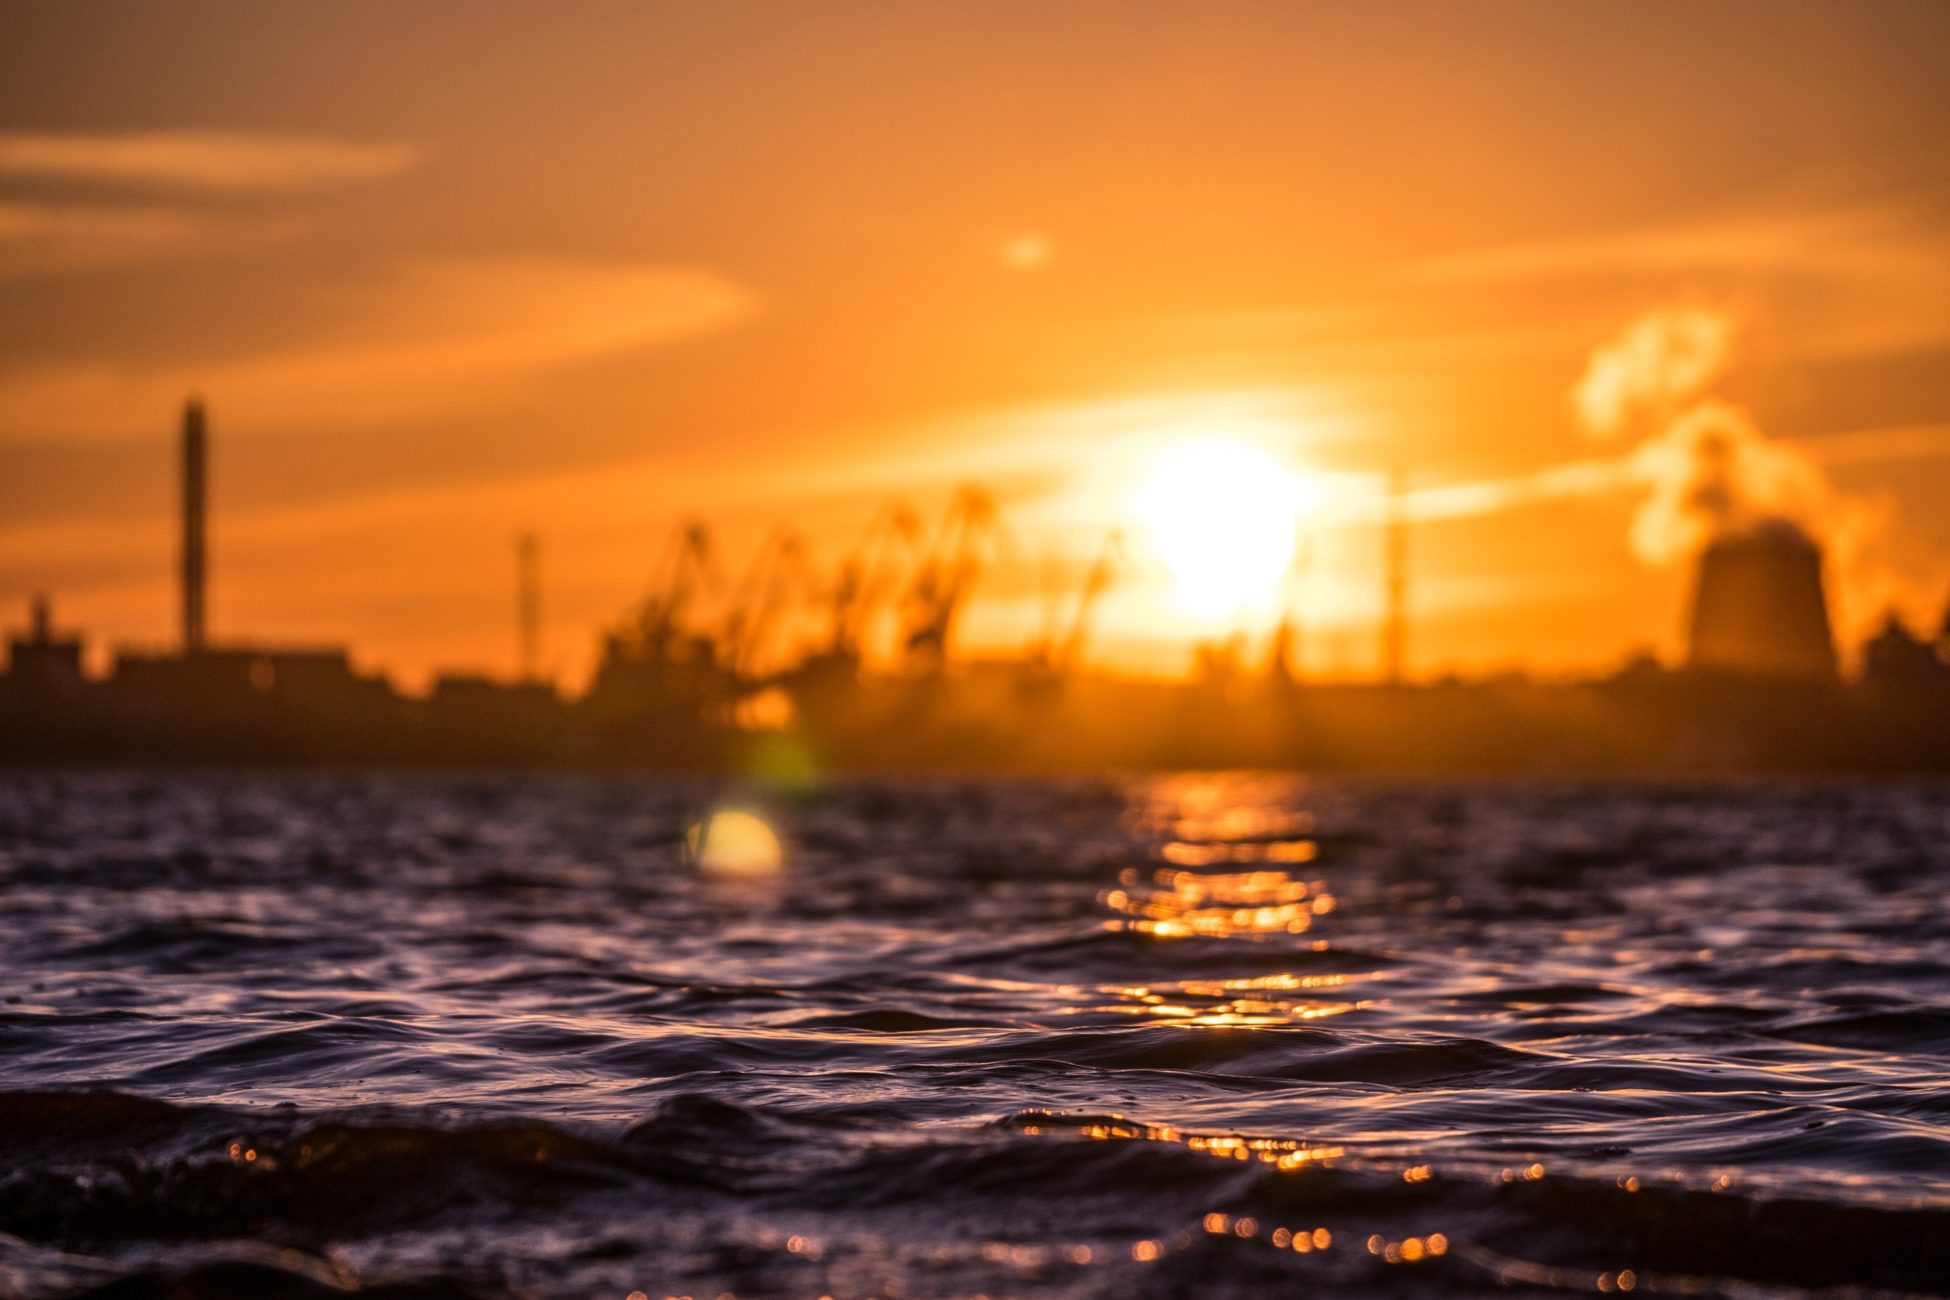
<point>1221,511</point>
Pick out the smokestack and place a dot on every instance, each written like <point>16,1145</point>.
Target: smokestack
<point>195,506</point>
<point>528,603</point>
<point>1759,608</point>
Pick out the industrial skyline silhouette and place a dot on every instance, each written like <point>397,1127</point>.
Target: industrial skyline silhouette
<point>1760,687</point>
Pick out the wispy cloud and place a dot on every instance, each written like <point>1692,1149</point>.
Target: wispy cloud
<point>1599,476</point>
<point>433,338</point>
<point>1836,281</point>
<point>51,238</point>
<point>200,160</point>
<point>1878,446</point>
<point>172,181</point>
<point>1860,240</point>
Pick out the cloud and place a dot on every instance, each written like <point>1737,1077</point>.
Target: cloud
<point>1570,481</point>
<point>51,238</point>
<point>1877,446</point>
<point>1857,239</point>
<point>1582,479</point>
<point>1834,281</point>
<point>431,338</point>
<point>43,236</point>
<point>200,160</point>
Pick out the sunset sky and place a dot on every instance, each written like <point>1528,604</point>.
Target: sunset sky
<point>448,272</point>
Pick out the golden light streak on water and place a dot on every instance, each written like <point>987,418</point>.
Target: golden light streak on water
<point>1177,903</point>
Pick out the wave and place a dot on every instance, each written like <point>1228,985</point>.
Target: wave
<point>1215,1035</point>
<point>165,1193</point>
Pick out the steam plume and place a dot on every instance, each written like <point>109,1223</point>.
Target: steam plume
<point>1662,362</point>
<point>1708,468</point>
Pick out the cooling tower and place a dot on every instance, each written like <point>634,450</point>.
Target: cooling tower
<point>1759,607</point>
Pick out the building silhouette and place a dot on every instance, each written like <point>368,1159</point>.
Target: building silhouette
<point>41,660</point>
<point>1759,608</point>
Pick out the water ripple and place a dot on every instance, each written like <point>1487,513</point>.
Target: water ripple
<point>442,1037</point>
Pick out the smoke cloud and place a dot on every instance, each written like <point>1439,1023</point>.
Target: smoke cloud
<point>1646,377</point>
<point>1709,471</point>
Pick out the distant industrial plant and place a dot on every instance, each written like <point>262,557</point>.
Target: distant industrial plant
<point>1760,687</point>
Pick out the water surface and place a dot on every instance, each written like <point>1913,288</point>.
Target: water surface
<point>438,1037</point>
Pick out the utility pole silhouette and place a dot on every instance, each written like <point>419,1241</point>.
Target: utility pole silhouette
<point>528,603</point>
<point>1394,632</point>
<point>1288,658</point>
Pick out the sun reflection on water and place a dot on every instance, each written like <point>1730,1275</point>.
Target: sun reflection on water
<point>1249,1002</point>
<point>1178,903</point>
<point>1225,867</point>
<point>1291,1155</point>
<point>1409,1250</point>
<point>1282,1153</point>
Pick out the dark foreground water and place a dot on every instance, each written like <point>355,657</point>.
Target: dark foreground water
<point>1200,1036</point>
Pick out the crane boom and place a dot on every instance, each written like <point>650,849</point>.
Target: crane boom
<point>686,566</point>
<point>934,599</point>
<point>1103,572</point>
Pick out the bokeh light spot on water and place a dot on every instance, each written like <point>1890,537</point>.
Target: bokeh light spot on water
<point>734,844</point>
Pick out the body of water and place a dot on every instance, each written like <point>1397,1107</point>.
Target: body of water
<point>1204,1035</point>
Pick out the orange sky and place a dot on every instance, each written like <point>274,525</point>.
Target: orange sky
<point>455,272</point>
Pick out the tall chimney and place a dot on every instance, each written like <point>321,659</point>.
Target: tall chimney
<point>528,603</point>
<point>195,506</point>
